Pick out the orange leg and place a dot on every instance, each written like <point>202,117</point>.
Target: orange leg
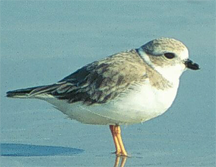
<point>116,134</point>
<point>115,139</point>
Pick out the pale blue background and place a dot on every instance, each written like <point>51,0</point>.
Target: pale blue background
<point>43,41</point>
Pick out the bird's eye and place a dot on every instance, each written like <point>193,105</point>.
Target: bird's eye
<point>169,55</point>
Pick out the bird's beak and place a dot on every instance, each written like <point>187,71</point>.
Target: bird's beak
<point>189,64</point>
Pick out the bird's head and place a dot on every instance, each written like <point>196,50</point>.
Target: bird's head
<point>168,56</point>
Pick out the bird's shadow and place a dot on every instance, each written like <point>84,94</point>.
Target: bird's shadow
<point>13,149</point>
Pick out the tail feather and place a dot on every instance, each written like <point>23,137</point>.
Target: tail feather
<point>20,93</point>
<point>31,92</point>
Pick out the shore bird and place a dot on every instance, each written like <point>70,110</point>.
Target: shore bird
<point>125,88</point>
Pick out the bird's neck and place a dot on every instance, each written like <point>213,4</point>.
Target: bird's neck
<point>171,74</point>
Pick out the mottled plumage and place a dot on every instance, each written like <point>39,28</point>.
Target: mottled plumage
<point>102,80</point>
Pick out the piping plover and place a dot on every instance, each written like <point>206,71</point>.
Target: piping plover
<point>125,88</point>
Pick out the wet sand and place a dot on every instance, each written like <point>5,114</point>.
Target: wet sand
<point>42,42</point>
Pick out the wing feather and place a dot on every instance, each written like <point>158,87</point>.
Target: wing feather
<point>100,81</point>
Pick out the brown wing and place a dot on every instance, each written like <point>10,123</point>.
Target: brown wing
<point>100,81</point>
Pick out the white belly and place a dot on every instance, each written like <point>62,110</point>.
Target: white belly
<point>136,106</point>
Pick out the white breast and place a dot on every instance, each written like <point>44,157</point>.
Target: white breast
<point>147,102</point>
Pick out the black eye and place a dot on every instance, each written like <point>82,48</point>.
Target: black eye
<point>169,55</point>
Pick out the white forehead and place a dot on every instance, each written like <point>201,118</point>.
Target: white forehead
<point>184,54</point>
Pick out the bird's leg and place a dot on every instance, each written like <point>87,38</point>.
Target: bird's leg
<point>117,146</point>
<point>116,133</point>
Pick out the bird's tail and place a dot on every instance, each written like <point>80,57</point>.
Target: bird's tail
<point>31,92</point>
